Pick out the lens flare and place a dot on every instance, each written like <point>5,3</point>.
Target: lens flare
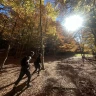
<point>73,23</point>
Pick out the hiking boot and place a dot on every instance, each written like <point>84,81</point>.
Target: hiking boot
<point>29,85</point>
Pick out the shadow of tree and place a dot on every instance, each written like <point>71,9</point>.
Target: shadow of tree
<point>14,71</point>
<point>51,90</point>
<point>6,86</point>
<point>18,90</point>
<point>67,70</point>
<point>9,68</point>
<point>84,86</point>
<point>14,82</point>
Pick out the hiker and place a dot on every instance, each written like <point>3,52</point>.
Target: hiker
<point>83,58</point>
<point>37,63</point>
<point>25,66</point>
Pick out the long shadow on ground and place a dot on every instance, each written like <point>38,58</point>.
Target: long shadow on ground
<point>51,90</point>
<point>11,67</point>
<point>84,86</point>
<point>17,91</point>
<point>6,86</point>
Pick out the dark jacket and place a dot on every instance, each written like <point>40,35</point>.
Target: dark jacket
<point>24,62</point>
<point>38,59</point>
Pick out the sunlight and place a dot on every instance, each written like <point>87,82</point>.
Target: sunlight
<point>73,23</point>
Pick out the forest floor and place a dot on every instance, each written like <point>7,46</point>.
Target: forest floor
<point>61,77</point>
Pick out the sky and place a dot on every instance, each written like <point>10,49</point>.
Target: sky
<point>4,10</point>
<point>46,1</point>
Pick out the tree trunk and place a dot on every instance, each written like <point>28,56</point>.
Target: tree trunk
<point>42,46</point>
<point>8,49</point>
<point>7,52</point>
<point>94,33</point>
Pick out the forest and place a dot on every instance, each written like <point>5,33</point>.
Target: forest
<point>38,25</point>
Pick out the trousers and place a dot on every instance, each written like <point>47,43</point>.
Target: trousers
<point>22,73</point>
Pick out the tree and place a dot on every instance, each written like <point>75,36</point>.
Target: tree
<point>23,23</point>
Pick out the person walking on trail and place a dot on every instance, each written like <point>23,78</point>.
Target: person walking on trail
<point>25,66</point>
<point>83,58</point>
<point>37,63</point>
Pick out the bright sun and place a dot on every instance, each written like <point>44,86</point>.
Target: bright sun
<point>73,23</point>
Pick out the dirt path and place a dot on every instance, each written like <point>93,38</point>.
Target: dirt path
<point>58,79</point>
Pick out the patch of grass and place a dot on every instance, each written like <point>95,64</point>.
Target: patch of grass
<point>86,55</point>
<point>77,55</point>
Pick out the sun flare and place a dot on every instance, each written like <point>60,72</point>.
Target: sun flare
<point>73,23</point>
